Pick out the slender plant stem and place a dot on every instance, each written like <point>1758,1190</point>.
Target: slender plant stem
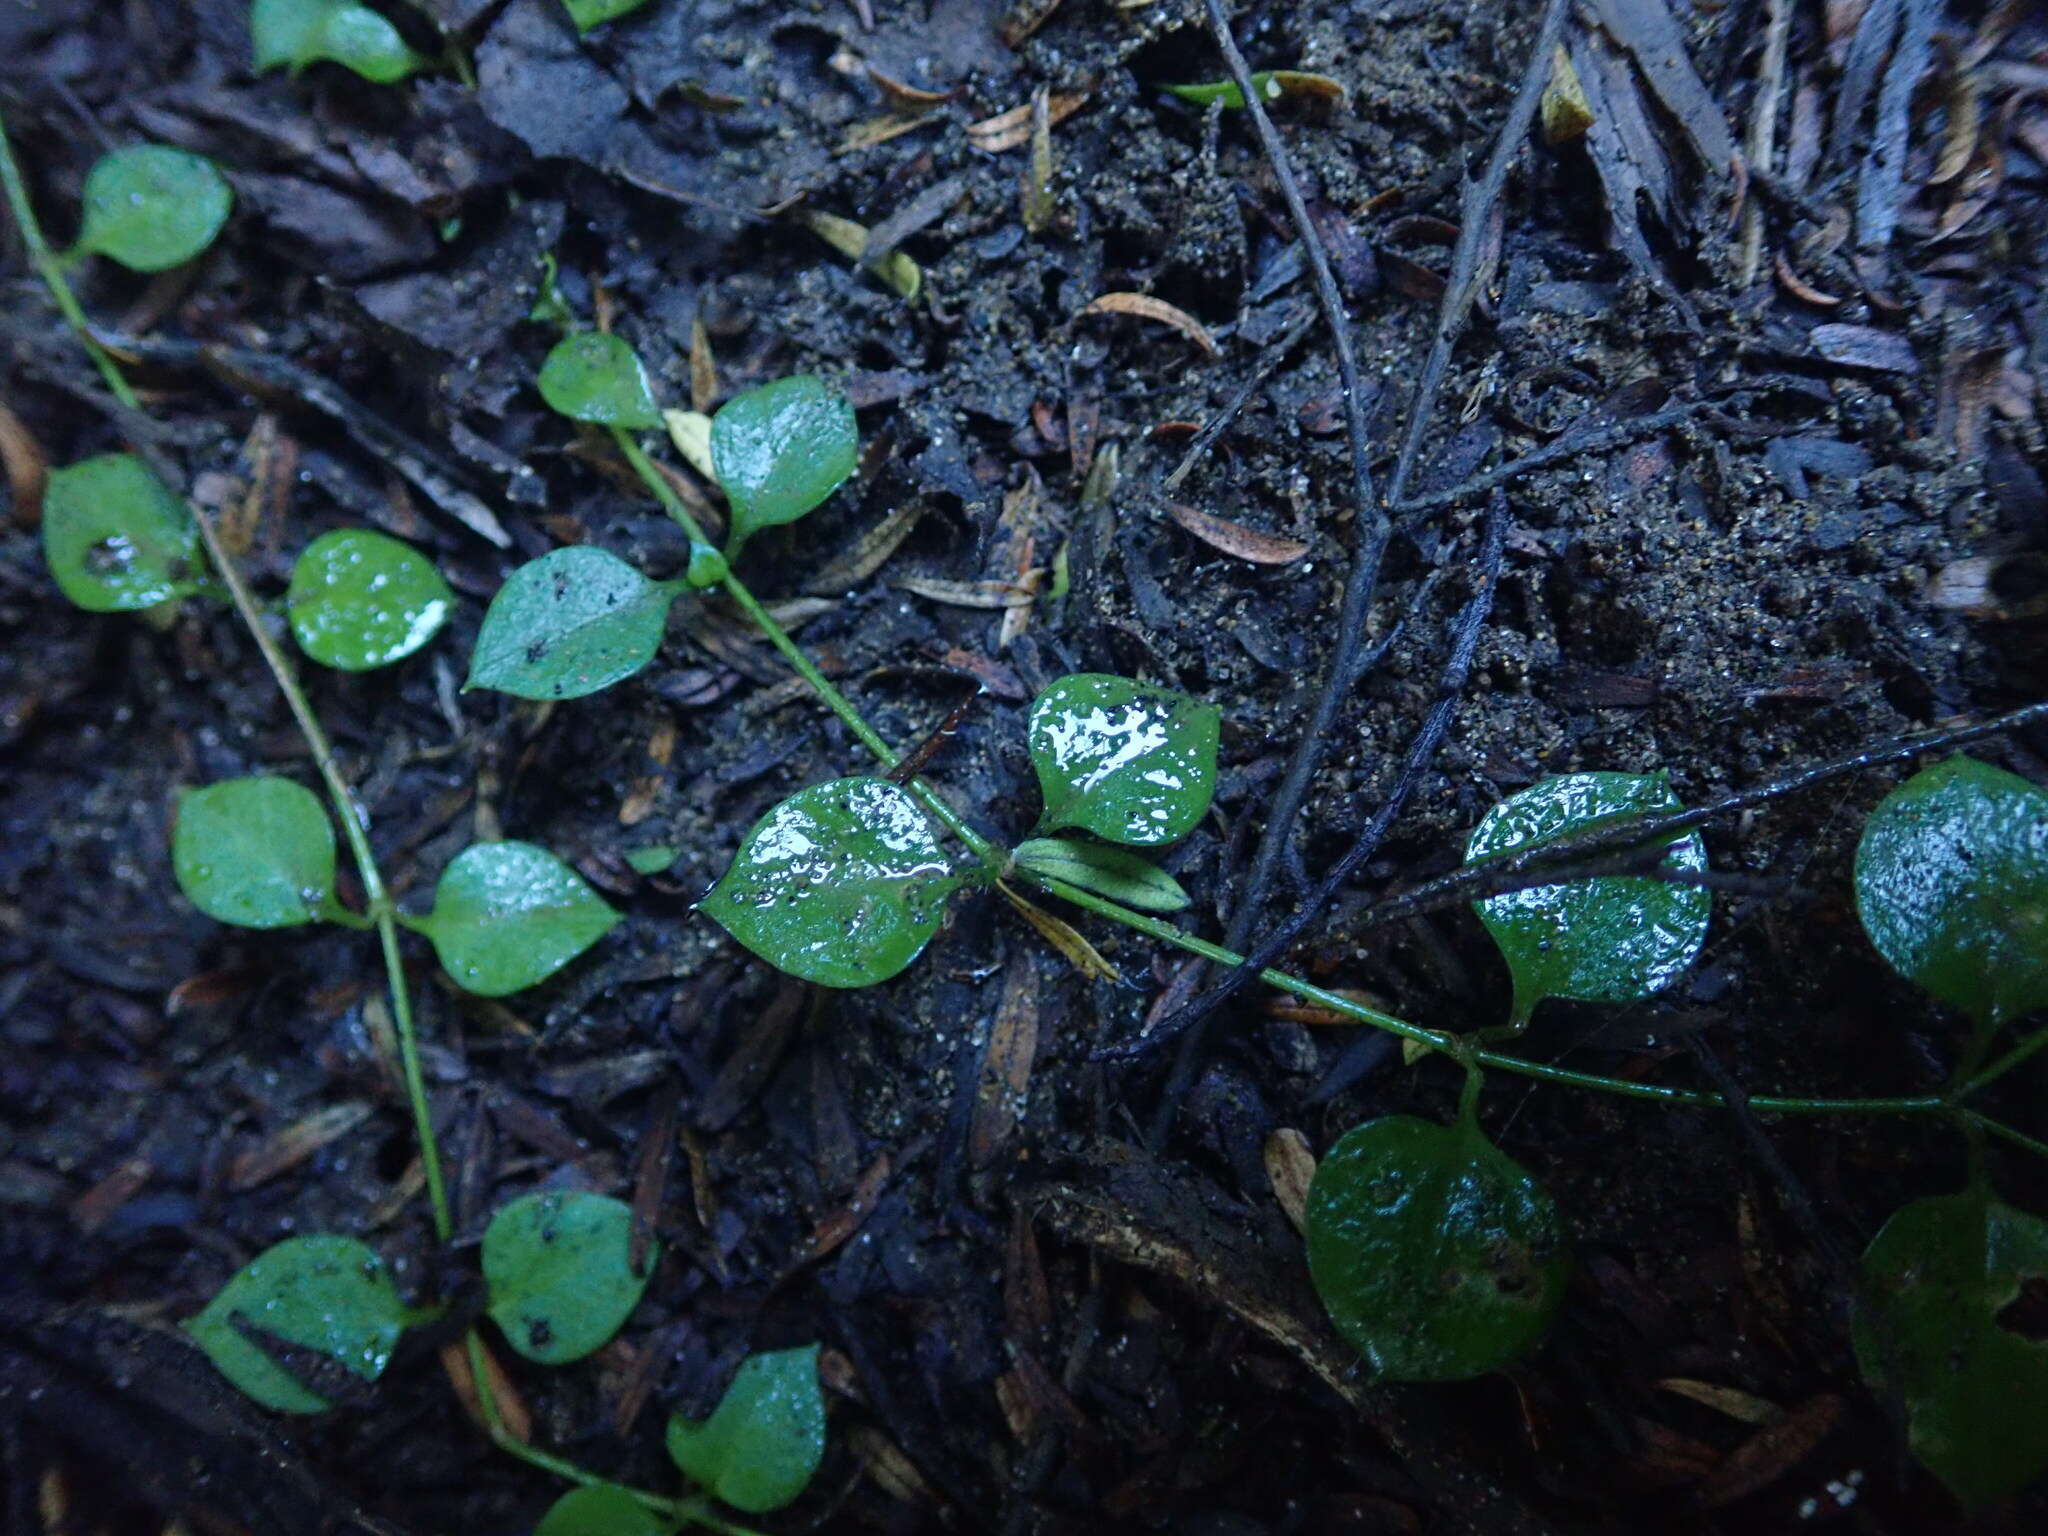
<point>51,270</point>
<point>2005,1132</point>
<point>990,856</point>
<point>2024,1051</point>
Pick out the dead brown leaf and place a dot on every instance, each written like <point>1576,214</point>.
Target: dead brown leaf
<point>28,468</point>
<point>972,594</point>
<point>298,1141</point>
<point>1006,1066</point>
<point>1290,1166</point>
<point>1252,544</point>
<point>1012,129</point>
<point>1147,307</point>
<point>1064,937</point>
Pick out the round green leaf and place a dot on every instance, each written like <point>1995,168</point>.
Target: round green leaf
<point>557,1275</point>
<point>296,33</point>
<point>150,207</point>
<point>595,13</point>
<point>1930,1327</point>
<point>1611,939</point>
<point>116,538</point>
<point>596,377</point>
<point>841,884</point>
<point>602,1509</point>
<point>1952,886</point>
<point>1436,1255</point>
<point>360,599</point>
<point>572,622</point>
<point>1124,760</point>
<point>256,852</point>
<point>764,1440</point>
<point>327,1294</point>
<point>780,450</point>
<point>507,915</point>
<point>1112,872</point>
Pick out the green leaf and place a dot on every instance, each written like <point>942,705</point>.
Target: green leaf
<point>1124,760</point>
<point>1111,872</point>
<point>360,599</point>
<point>256,852</point>
<point>151,207</point>
<point>780,450</point>
<point>572,622</point>
<point>1931,1327</point>
<point>841,884</point>
<point>1611,939</point>
<point>326,1294</point>
<point>764,1440</point>
<point>557,1276</point>
<point>507,915</point>
<point>1225,91</point>
<point>595,13</point>
<point>301,32</point>
<point>602,1509</point>
<point>1436,1255</point>
<point>1952,886</point>
<point>116,538</point>
<point>652,859</point>
<point>596,377</point>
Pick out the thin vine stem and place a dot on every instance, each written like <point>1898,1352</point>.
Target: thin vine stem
<point>2025,1051</point>
<point>51,270</point>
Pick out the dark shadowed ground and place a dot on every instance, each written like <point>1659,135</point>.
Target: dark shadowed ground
<point>1032,1323</point>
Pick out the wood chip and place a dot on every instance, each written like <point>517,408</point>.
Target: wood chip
<point>1746,1407</point>
<point>1012,129</point>
<point>889,1467</point>
<point>703,367</point>
<point>1290,1165</point>
<point>1865,346</point>
<point>295,1143</point>
<point>1147,307</point>
<point>1252,544</point>
<point>909,98</point>
<point>1772,1451</point>
<point>1566,114</point>
<point>839,1224</point>
<point>28,468</point>
<point>1005,1065</point>
<point>91,1210</point>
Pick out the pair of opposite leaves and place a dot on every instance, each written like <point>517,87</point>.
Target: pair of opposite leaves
<point>1439,1258</point>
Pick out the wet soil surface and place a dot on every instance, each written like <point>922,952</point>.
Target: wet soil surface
<point>1030,1322</point>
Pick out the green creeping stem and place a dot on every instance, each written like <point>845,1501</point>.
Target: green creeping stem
<point>51,270</point>
<point>993,859</point>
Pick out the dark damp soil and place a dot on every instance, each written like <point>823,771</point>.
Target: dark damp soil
<point>1030,1322</point>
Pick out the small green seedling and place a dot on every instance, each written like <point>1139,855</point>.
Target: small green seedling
<point>570,623</point>
<point>1437,1256</point>
<point>602,1509</point>
<point>360,599</point>
<point>1932,1327</point>
<point>295,33</point>
<point>1271,85</point>
<point>115,537</point>
<point>596,377</point>
<point>589,14</point>
<point>779,451</point>
<point>1612,939</point>
<point>842,884</point>
<point>1952,887</point>
<point>764,1441</point>
<point>1113,872</point>
<point>325,1294</point>
<point>1125,760</point>
<point>558,1273</point>
<point>507,915</point>
<point>151,207</point>
<point>257,853</point>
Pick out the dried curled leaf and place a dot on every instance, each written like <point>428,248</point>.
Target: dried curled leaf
<point>1252,544</point>
<point>1147,307</point>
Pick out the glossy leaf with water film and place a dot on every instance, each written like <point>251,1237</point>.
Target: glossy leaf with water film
<point>764,1441</point>
<point>1125,760</point>
<point>360,599</point>
<point>568,624</point>
<point>508,915</point>
<point>255,852</point>
<point>115,537</point>
<point>558,1274</point>
<point>842,884</point>
<point>596,377</point>
<point>780,450</point>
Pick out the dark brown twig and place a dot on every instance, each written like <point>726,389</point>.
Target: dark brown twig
<point>1421,753</point>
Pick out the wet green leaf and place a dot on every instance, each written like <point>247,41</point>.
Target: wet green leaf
<point>596,377</point>
<point>780,450</point>
<point>296,33</point>
<point>255,852</point>
<point>1932,1327</point>
<point>557,1276</point>
<point>151,207</point>
<point>595,13</point>
<point>507,915</point>
<point>1436,1255</point>
<point>765,1438</point>
<point>602,1509</point>
<point>323,1293</point>
<point>1952,886</point>
<point>1124,760</point>
<point>360,599</point>
<point>841,884</point>
<point>1612,939</point>
<point>653,859</point>
<point>572,622</point>
<point>116,538</point>
<point>1111,872</point>
<point>1271,84</point>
